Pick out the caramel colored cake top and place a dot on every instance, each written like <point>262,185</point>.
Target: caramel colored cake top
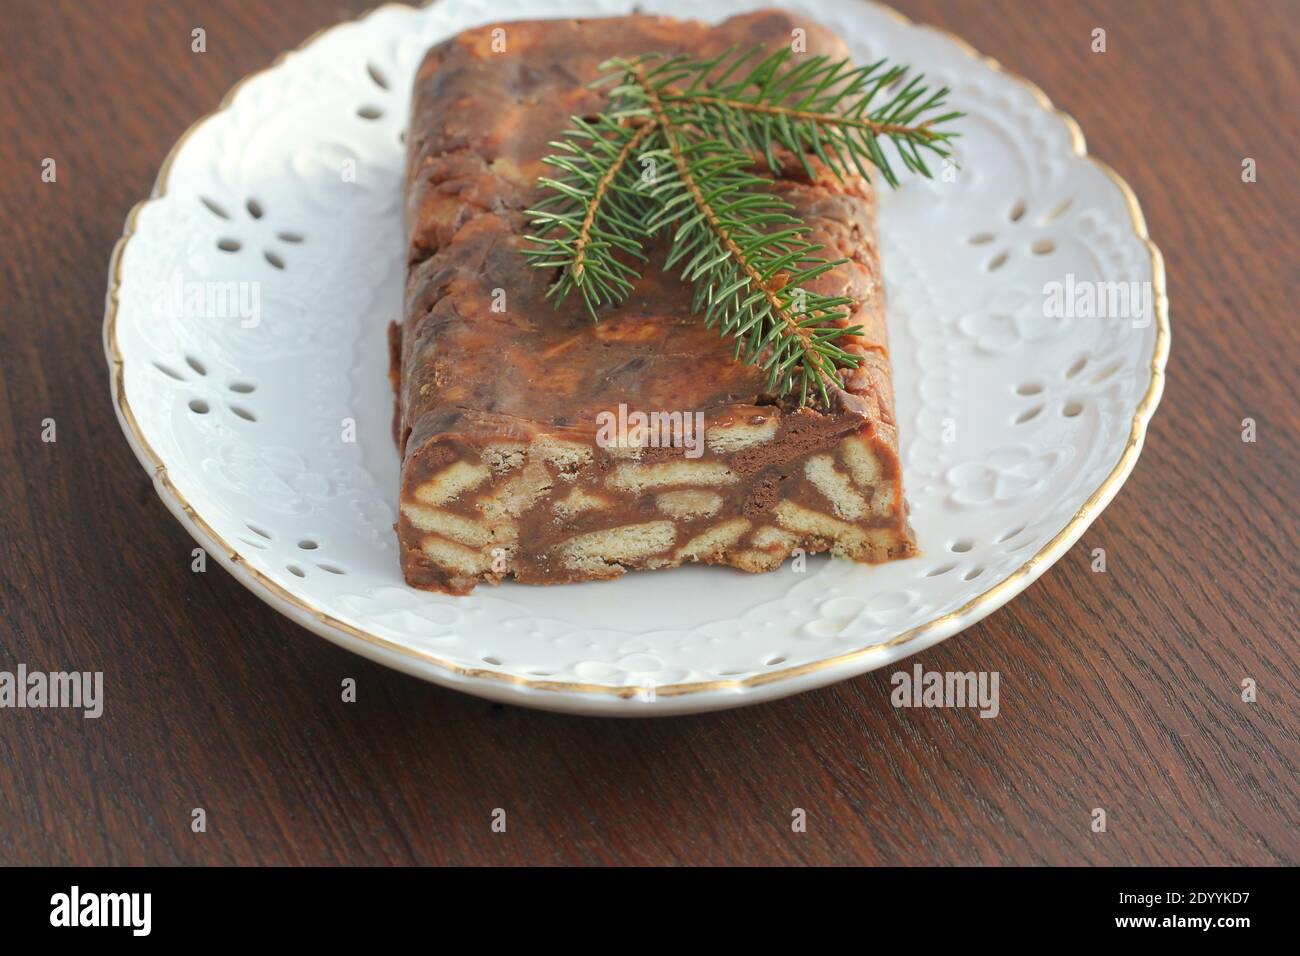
<point>483,343</point>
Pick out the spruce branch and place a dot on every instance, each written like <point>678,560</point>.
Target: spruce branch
<point>594,213</point>
<point>740,267</point>
<point>603,186</point>
<point>820,108</point>
<point>707,128</point>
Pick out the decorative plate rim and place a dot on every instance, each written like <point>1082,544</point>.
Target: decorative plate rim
<point>333,629</point>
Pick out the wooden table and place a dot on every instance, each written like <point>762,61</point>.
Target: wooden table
<point>1119,690</point>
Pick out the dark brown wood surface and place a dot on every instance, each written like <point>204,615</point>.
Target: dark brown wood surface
<point>1119,690</point>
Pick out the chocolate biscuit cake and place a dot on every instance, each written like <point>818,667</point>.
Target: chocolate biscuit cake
<point>502,395</point>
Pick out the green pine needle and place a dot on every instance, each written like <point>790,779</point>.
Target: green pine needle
<point>686,149</point>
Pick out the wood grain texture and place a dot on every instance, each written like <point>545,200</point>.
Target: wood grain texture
<point>1119,690</point>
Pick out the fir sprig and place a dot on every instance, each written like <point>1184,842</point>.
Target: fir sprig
<point>595,212</point>
<point>680,152</point>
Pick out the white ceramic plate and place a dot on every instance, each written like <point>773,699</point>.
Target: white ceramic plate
<point>1017,428</point>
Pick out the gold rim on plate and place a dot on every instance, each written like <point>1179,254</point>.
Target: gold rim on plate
<point>993,598</point>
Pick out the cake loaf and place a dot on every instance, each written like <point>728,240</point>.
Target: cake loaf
<point>516,462</point>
